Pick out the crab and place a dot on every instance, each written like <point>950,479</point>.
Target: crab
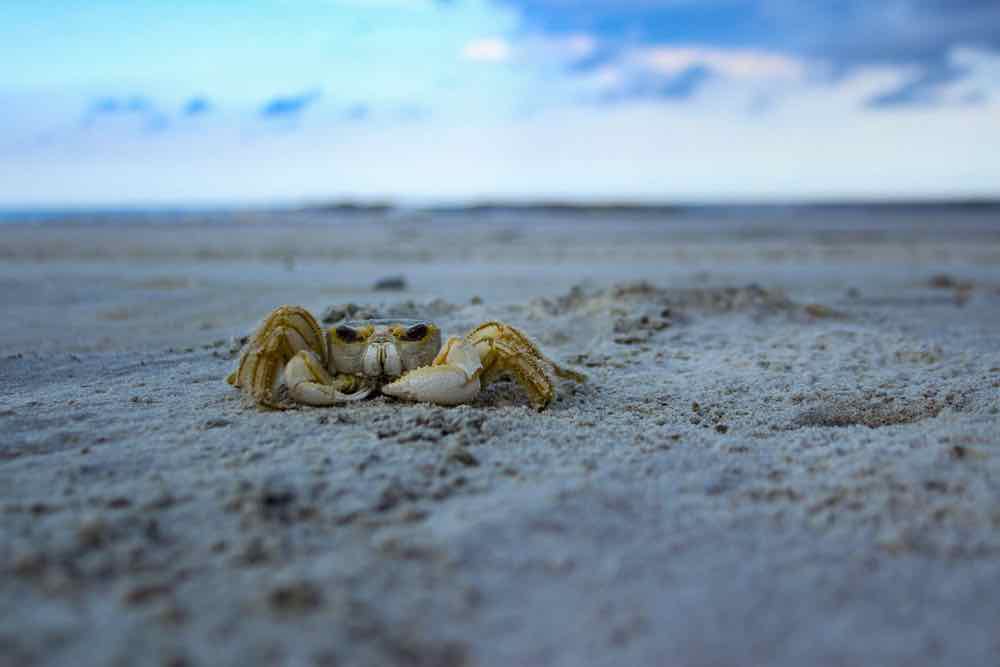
<point>291,360</point>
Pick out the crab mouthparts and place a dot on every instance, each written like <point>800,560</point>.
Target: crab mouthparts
<point>382,360</point>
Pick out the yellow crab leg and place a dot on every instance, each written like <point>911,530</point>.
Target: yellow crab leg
<point>283,333</point>
<point>521,345</point>
<point>505,350</point>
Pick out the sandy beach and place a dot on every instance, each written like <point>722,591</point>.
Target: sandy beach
<point>787,452</point>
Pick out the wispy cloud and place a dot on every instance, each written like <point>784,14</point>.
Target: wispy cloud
<point>488,49</point>
<point>479,91</point>
<point>923,89</point>
<point>532,49</point>
<point>858,32</point>
<point>733,63</point>
<point>676,86</point>
<point>196,106</point>
<point>357,112</point>
<point>967,78</point>
<point>135,107</point>
<point>679,73</point>
<point>289,106</point>
<point>734,38</point>
<point>847,31</point>
<point>124,105</point>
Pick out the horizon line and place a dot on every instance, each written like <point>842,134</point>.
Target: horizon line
<point>482,204</point>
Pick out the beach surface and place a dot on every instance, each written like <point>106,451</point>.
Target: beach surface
<point>787,451</point>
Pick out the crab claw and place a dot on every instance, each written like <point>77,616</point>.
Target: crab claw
<point>308,382</point>
<point>451,379</point>
<point>289,349</point>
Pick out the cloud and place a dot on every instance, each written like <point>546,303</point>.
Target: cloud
<point>566,51</point>
<point>134,107</point>
<point>923,89</point>
<point>858,32</point>
<point>116,106</point>
<point>489,50</point>
<point>289,106</point>
<point>865,31</point>
<point>357,112</point>
<point>677,86</point>
<point>411,113</point>
<point>680,73</point>
<point>843,36</point>
<point>736,63</point>
<point>685,84</point>
<point>967,78</point>
<point>196,106</point>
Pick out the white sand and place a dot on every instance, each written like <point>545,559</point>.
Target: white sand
<point>805,471</point>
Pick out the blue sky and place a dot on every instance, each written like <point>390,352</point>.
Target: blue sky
<point>195,102</point>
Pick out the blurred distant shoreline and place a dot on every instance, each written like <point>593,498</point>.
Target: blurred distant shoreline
<point>496,208</point>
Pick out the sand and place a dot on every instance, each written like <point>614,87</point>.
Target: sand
<point>788,451</point>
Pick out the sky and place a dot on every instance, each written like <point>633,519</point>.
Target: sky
<point>205,102</point>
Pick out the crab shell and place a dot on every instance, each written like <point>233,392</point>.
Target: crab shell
<point>382,349</point>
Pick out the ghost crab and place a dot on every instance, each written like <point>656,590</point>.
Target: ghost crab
<point>290,358</point>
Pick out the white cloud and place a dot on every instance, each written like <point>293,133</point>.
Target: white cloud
<point>819,143</point>
<point>559,49</point>
<point>488,49</point>
<point>737,75</point>
<point>535,50</point>
<point>500,130</point>
<point>735,63</point>
<point>981,83</point>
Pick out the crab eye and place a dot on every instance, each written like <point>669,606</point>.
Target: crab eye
<point>415,333</point>
<point>347,334</point>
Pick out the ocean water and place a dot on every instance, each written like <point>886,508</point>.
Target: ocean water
<point>94,215</point>
<point>791,212</point>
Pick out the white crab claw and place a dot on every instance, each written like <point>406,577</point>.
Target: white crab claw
<point>453,379</point>
<point>321,395</point>
<point>308,382</point>
<point>444,385</point>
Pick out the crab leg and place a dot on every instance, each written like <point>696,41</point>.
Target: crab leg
<point>310,383</point>
<point>286,331</point>
<point>451,379</point>
<point>505,350</point>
